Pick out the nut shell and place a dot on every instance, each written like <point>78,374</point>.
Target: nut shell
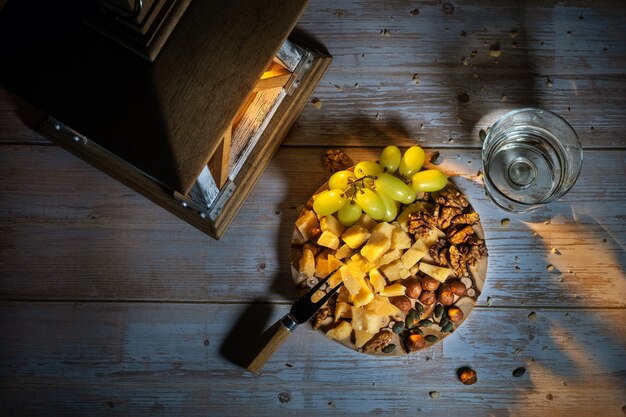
<point>455,314</point>
<point>457,287</point>
<point>446,297</point>
<point>430,284</point>
<point>413,288</point>
<point>402,302</point>
<point>428,298</point>
<point>415,342</point>
<point>467,376</point>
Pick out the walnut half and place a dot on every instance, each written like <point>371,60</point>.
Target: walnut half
<point>378,342</point>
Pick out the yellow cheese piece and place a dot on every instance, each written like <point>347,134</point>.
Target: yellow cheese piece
<point>352,284</point>
<point>344,252</point>
<point>392,270</point>
<point>437,272</point>
<point>403,217</point>
<point>393,290</point>
<point>379,242</point>
<point>400,239</point>
<point>383,306</point>
<point>432,237</point>
<point>363,264</point>
<point>331,224</point>
<point>342,331</point>
<point>328,240</point>
<point>366,320</point>
<point>367,222</point>
<point>414,254</point>
<point>362,337</point>
<point>333,263</point>
<point>321,267</point>
<point>307,263</point>
<point>377,280</point>
<point>335,279</point>
<point>306,222</point>
<point>363,298</point>
<point>388,257</point>
<point>355,236</point>
<point>342,310</point>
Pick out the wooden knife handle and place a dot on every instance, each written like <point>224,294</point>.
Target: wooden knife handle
<point>271,340</point>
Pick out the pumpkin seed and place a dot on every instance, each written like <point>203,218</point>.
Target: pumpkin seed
<point>431,338</point>
<point>414,314</point>
<point>417,330</point>
<point>447,327</point>
<point>425,323</point>
<point>410,322</point>
<point>438,310</point>
<point>389,348</point>
<point>419,308</point>
<point>444,321</point>
<point>398,327</point>
<point>517,372</point>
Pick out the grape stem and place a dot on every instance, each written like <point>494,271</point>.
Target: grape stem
<point>354,186</point>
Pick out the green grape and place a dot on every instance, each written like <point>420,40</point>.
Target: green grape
<point>370,203</point>
<point>349,213</point>
<point>394,188</point>
<point>328,202</point>
<point>390,158</point>
<point>391,207</point>
<point>340,180</point>
<point>367,168</point>
<point>412,161</point>
<point>429,180</point>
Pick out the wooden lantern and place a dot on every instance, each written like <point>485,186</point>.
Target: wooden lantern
<point>190,121</point>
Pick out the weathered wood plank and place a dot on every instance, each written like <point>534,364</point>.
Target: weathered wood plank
<point>177,359</point>
<point>70,232</point>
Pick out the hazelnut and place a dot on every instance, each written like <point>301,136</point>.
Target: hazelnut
<point>428,298</point>
<point>457,287</point>
<point>402,302</point>
<point>467,376</point>
<point>446,297</point>
<point>455,314</point>
<point>430,284</point>
<point>413,288</point>
<point>415,342</point>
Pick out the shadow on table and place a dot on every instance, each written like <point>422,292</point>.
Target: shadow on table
<point>251,326</point>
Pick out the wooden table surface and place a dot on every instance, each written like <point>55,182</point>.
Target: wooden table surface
<point>110,305</point>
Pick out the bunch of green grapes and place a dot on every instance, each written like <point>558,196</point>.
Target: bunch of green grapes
<point>378,189</point>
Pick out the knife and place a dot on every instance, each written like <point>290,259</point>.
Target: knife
<point>300,312</point>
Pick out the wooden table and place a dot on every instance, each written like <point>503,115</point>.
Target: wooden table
<point>112,306</point>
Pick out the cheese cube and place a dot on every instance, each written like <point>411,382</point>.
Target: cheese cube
<point>433,237</point>
<point>366,320</point>
<point>437,272</point>
<point>414,254</point>
<point>306,222</point>
<point>331,224</point>
<point>390,256</point>
<point>393,269</point>
<point>377,280</point>
<point>352,284</point>
<point>307,263</point>
<point>383,306</point>
<point>342,331</point>
<point>362,338</point>
<point>393,290</point>
<point>342,311</point>
<point>321,267</point>
<point>363,264</point>
<point>328,240</point>
<point>400,239</point>
<point>355,236</point>
<point>334,263</point>
<point>335,279</point>
<point>367,222</point>
<point>344,251</point>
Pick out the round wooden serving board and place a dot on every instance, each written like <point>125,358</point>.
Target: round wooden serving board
<point>477,274</point>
